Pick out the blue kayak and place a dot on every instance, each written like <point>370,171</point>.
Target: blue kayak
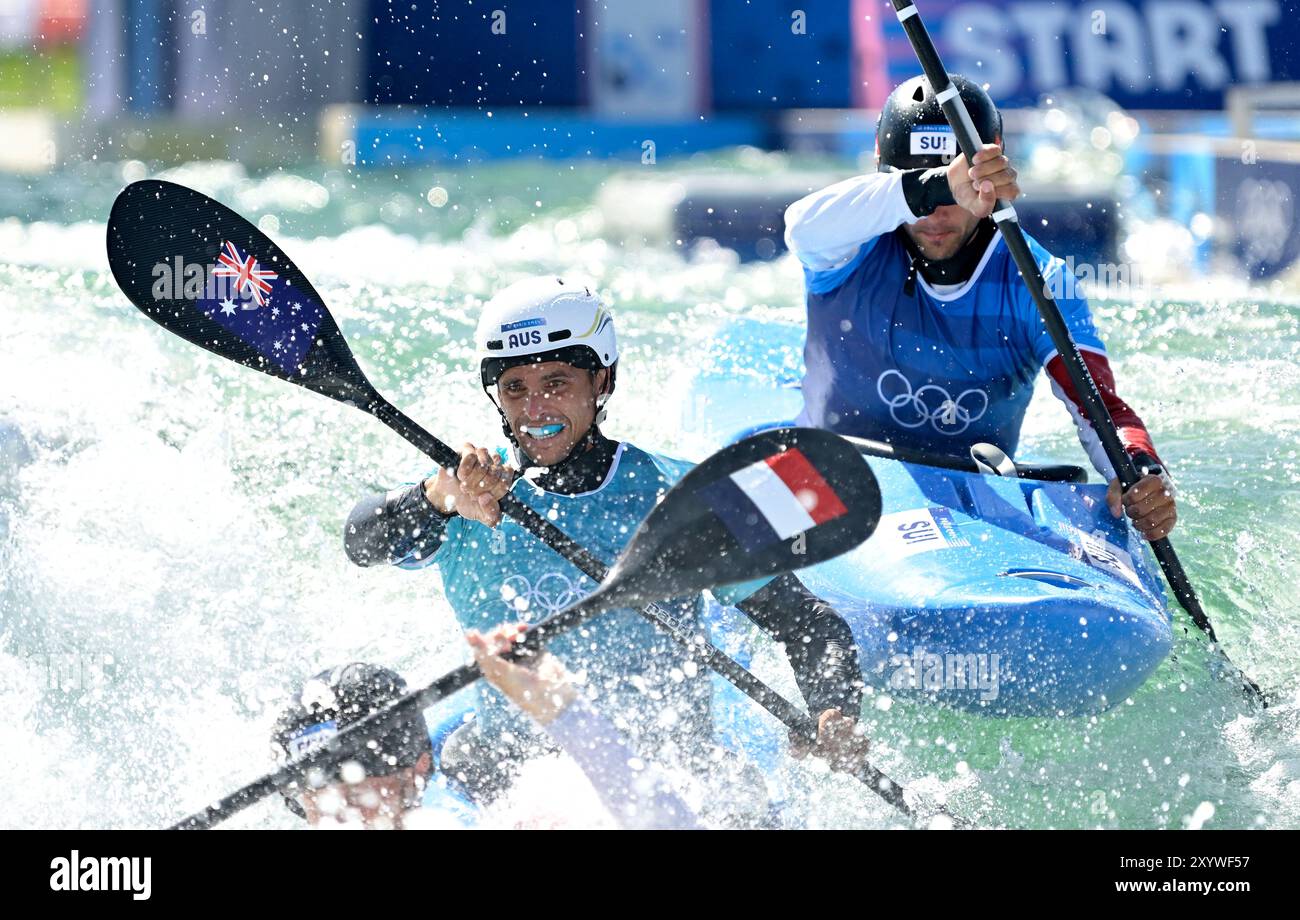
<point>1008,595</point>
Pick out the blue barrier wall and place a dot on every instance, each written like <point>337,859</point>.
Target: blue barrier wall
<point>760,62</point>
<point>744,56</point>
<point>425,52</point>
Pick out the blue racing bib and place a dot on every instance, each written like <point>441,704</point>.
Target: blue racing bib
<point>927,370</point>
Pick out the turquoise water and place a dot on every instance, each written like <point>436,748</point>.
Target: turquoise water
<point>170,525</point>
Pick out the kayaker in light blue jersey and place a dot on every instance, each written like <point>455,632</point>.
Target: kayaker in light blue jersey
<point>921,332</point>
<point>549,350</point>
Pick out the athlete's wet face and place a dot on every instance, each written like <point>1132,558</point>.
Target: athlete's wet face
<point>942,234</point>
<point>549,407</point>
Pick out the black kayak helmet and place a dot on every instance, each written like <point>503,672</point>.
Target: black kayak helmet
<point>333,700</point>
<point>912,132</point>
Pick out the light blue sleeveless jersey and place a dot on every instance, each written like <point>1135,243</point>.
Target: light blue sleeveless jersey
<point>505,574</point>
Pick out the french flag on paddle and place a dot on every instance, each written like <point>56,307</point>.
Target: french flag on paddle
<point>773,500</point>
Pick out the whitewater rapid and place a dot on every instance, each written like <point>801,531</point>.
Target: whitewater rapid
<point>171,558</point>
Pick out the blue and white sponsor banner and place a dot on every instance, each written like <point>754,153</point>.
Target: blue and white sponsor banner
<point>1145,54</point>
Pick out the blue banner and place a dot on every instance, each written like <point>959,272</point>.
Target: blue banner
<point>774,54</point>
<point>764,54</point>
<point>1145,54</point>
<point>502,54</point>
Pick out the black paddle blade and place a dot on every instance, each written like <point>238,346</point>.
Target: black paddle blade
<point>200,270</point>
<point>778,501</point>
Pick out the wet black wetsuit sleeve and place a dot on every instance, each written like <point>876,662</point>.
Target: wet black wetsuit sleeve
<point>817,641</point>
<point>392,527</point>
<point>926,190</point>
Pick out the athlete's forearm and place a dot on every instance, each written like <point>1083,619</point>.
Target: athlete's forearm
<point>926,190</point>
<point>818,642</point>
<point>391,528</point>
<point>826,229</point>
<point>636,798</point>
<point>1132,430</point>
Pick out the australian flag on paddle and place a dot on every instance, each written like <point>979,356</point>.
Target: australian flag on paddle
<point>253,300</point>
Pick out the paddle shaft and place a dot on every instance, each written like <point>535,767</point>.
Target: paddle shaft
<point>332,751</point>
<point>785,711</point>
<point>360,732</point>
<point>1004,215</point>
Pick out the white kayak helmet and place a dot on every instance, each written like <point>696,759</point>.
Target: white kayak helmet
<point>546,319</point>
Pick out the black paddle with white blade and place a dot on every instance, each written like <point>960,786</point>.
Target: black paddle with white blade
<point>692,541</point>
<point>1004,215</point>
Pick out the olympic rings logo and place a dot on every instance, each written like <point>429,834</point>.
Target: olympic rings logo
<point>531,602</point>
<point>930,403</point>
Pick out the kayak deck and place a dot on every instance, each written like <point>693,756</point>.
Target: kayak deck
<point>1005,596</point>
<point>999,595</point>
